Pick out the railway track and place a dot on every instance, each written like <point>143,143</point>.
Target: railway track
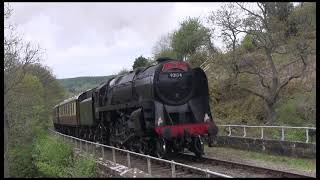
<point>235,169</point>
<point>185,164</point>
<point>153,166</point>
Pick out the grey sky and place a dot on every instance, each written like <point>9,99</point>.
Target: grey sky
<point>95,39</point>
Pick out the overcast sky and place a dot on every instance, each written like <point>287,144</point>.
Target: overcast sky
<point>98,39</point>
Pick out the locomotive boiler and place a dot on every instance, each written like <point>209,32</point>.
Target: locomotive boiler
<point>155,110</point>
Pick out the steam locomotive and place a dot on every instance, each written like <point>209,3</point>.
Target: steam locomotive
<point>156,110</point>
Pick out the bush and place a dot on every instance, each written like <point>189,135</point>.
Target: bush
<point>298,111</point>
<point>54,158</point>
<point>21,162</point>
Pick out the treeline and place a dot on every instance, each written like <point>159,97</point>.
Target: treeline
<point>74,86</point>
<point>30,92</point>
<point>266,72</point>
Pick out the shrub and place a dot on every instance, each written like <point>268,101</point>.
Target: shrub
<point>54,158</point>
<point>21,161</point>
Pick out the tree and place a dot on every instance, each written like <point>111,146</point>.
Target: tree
<point>17,56</point>
<point>141,62</point>
<point>268,33</point>
<point>260,72</point>
<point>123,71</point>
<point>228,19</point>
<point>163,47</point>
<point>29,92</point>
<point>189,37</point>
<point>280,10</point>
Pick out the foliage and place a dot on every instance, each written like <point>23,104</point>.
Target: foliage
<point>54,158</point>
<point>77,85</point>
<point>167,53</point>
<point>298,110</point>
<point>30,92</point>
<point>84,167</point>
<point>280,10</point>
<point>141,62</point>
<point>163,48</point>
<point>22,165</point>
<point>247,44</point>
<point>189,37</point>
<point>123,71</point>
<point>197,58</point>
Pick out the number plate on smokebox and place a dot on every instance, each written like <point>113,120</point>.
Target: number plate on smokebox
<point>175,75</point>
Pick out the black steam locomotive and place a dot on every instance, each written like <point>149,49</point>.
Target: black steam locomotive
<point>156,110</point>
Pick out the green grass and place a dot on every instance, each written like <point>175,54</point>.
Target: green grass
<point>302,164</point>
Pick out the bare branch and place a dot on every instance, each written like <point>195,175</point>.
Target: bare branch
<point>292,77</point>
<point>250,12</point>
<point>256,94</point>
<point>261,79</point>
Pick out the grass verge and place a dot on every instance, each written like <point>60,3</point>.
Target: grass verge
<point>292,163</point>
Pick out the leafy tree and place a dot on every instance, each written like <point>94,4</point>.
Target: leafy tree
<point>247,44</point>
<point>140,62</point>
<point>189,37</point>
<point>17,56</point>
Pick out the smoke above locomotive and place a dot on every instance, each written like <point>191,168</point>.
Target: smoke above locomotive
<point>155,110</point>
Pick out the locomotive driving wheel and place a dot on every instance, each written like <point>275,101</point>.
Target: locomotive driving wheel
<point>198,146</point>
<point>161,148</point>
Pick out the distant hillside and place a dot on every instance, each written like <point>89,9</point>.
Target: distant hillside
<point>79,84</point>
